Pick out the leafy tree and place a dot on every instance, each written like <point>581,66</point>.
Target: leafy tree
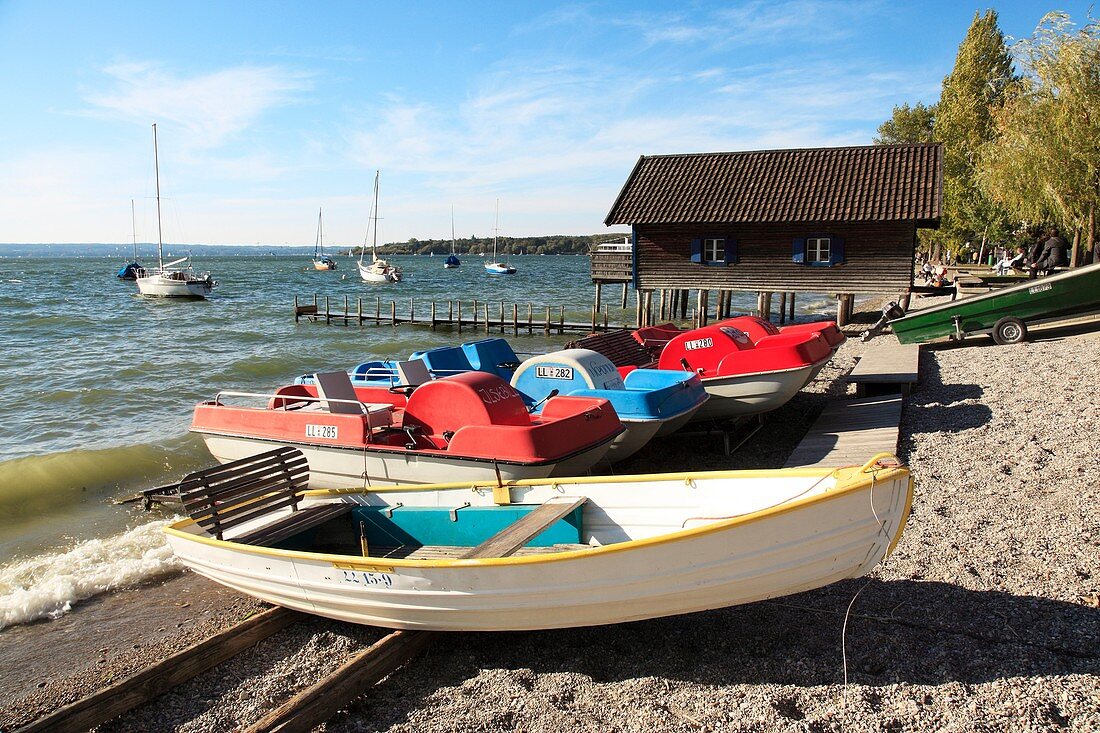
<point>908,125</point>
<point>971,94</point>
<point>1044,163</point>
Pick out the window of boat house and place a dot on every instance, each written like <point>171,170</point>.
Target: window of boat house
<point>714,251</point>
<point>817,249</point>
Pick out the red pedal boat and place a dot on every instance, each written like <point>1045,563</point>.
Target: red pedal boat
<point>469,427</point>
<point>743,376</point>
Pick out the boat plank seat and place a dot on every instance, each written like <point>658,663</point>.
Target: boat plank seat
<point>886,370</point>
<point>510,539</point>
<point>224,497</point>
<point>455,552</point>
<point>619,346</point>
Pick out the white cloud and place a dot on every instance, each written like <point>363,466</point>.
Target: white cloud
<point>209,107</point>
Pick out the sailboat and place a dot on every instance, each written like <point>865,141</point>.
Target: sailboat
<point>321,261</point>
<point>495,267</point>
<point>452,260</point>
<point>169,280</point>
<point>132,270</point>
<point>378,271</point>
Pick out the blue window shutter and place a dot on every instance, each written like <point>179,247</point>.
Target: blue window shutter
<point>697,250</point>
<point>836,251</point>
<point>731,252</point>
<point>798,252</point>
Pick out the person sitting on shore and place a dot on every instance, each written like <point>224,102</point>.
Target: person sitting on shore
<point>1052,255</point>
<point>1008,264</point>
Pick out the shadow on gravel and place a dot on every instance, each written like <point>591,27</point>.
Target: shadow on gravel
<point>942,407</point>
<point>903,631</point>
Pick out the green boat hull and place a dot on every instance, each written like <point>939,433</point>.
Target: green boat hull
<point>1066,294</point>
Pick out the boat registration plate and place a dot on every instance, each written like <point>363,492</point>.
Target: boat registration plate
<point>698,344</point>
<point>331,432</point>
<point>553,372</point>
<point>1039,288</point>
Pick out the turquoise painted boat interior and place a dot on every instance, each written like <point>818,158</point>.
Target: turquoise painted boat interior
<point>461,527</point>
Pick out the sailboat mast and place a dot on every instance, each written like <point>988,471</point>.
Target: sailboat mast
<point>496,230</point>
<point>452,228</point>
<point>156,170</point>
<point>133,227</point>
<point>319,245</point>
<point>374,246</point>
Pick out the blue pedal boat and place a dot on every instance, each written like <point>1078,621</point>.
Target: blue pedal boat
<point>649,402</point>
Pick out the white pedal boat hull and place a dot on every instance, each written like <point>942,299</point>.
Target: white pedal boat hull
<point>350,468</point>
<point>744,395</point>
<point>660,545</point>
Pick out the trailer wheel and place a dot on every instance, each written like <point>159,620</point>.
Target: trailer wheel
<point>1009,330</point>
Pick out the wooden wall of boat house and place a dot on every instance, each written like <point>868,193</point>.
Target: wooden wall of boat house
<point>878,258</point>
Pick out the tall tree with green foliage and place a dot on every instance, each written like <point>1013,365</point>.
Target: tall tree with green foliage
<point>972,92</point>
<point>1044,163</point>
<point>908,125</point>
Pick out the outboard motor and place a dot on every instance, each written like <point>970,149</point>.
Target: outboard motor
<point>890,312</point>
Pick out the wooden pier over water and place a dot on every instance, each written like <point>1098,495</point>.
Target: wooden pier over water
<point>485,316</point>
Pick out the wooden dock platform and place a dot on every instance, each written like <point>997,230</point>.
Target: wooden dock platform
<point>849,432</point>
<point>890,369</point>
<point>471,315</point>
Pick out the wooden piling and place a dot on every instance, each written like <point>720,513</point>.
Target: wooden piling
<point>599,294</point>
<point>625,288</point>
<point>359,311</point>
<point>377,310</point>
<point>502,316</point>
<point>459,321</point>
<point>515,318</point>
<point>295,308</point>
<point>790,306</point>
<point>393,312</point>
<point>328,312</point>
<point>547,329</point>
<point>782,308</point>
<point>433,316</point>
<point>528,318</point>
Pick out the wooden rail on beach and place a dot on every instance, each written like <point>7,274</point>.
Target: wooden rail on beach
<point>489,317</point>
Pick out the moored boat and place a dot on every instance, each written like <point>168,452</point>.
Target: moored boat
<point>170,279</point>
<point>321,261</point>
<point>635,547</point>
<point>378,270</point>
<point>469,427</point>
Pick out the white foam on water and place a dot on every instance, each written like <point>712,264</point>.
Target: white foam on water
<point>47,586</point>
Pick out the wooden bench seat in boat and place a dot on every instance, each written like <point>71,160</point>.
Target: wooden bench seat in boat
<point>227,496</point>
<point>619,346</point>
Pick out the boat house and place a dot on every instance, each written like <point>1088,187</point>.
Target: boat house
<point>841,221</point>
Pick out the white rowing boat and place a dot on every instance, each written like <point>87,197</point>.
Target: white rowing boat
<point>637,547</point>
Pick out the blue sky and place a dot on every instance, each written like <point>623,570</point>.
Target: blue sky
<point>267,111</point>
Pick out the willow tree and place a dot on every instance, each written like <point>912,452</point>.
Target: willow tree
<point>1044,163</point>
<point>964,123</point>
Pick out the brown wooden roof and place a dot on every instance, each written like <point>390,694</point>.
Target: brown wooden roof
<point>869,183</point>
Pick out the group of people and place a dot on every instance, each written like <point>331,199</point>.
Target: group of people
<point>1047,252</point>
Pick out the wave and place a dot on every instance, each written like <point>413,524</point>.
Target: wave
<point>34,485</point>
<point>47,586</point>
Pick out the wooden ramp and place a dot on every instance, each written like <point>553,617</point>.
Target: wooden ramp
<point>849,432</point>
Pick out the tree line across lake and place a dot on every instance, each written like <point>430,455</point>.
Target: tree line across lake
<point>555,244</point>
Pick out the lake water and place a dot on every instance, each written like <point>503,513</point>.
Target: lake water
<point>97,386</point>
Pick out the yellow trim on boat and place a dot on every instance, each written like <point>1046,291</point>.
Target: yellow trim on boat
<point>858,482</point>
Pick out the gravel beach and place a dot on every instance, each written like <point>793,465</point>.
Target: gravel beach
<point>984,618</point>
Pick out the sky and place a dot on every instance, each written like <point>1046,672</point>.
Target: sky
<point>268,112</point>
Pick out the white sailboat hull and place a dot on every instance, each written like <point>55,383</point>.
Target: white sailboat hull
<point>375,274</point>
<point>165,286</point>
<point>659,545</point>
